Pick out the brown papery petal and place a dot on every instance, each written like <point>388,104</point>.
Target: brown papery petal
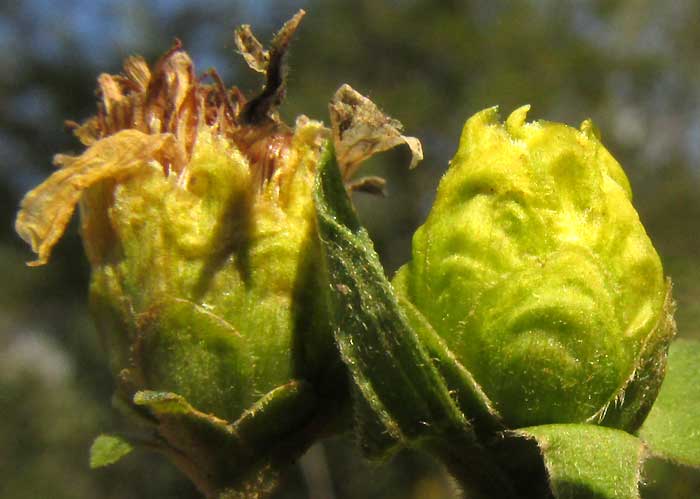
<point>46,211</point>
<point>361,130</point>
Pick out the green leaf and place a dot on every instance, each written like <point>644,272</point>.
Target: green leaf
<point>108,449</point>
<point>672,430</point>
<point>589,462</point>
<point>389,366</point>
<point>401,397</point>
<point>463,387</point>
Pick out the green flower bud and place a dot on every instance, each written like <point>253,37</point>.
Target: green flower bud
<point>198,221</point>
<point>534,269</point>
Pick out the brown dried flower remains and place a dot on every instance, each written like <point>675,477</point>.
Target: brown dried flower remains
<point>171,99</point>
<point>147,114</point>
<point>155,114</point>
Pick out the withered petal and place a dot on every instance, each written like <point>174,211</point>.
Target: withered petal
<point>251,49</point>
<point>46,211</point>
<point>361,130</point>
<point>137,71</point>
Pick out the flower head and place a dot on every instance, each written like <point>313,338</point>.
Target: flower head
<point>535,270</point>
<point>197,218</point>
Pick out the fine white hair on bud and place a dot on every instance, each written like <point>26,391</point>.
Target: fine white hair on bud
<point>534,268</point>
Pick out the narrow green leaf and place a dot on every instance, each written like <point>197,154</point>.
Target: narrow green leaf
<point>589,462</point>
<point>389,366</point>
<point>394,374</point>
<point>672,429</point>
<point>108,449</point>
<point>464,388</point>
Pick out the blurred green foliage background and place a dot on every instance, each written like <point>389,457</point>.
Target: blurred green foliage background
<point>633,66</point>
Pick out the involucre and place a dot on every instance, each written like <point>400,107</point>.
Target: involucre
<point>535,270</point>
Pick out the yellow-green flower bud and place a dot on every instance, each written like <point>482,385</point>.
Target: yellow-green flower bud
<point>534,268</point>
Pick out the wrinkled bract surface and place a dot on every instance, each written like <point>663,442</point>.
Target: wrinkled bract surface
<point>535,269</point>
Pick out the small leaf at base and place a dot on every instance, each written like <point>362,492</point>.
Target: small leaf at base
<point>108,449</point>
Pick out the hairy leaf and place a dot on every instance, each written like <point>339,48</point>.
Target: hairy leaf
<point>387,362</point>
<point>672,430</point>
<point>400,394</point>
<point>589,462</point>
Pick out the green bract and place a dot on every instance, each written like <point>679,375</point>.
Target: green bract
<point>211,275</point>
<point>535,270</point>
